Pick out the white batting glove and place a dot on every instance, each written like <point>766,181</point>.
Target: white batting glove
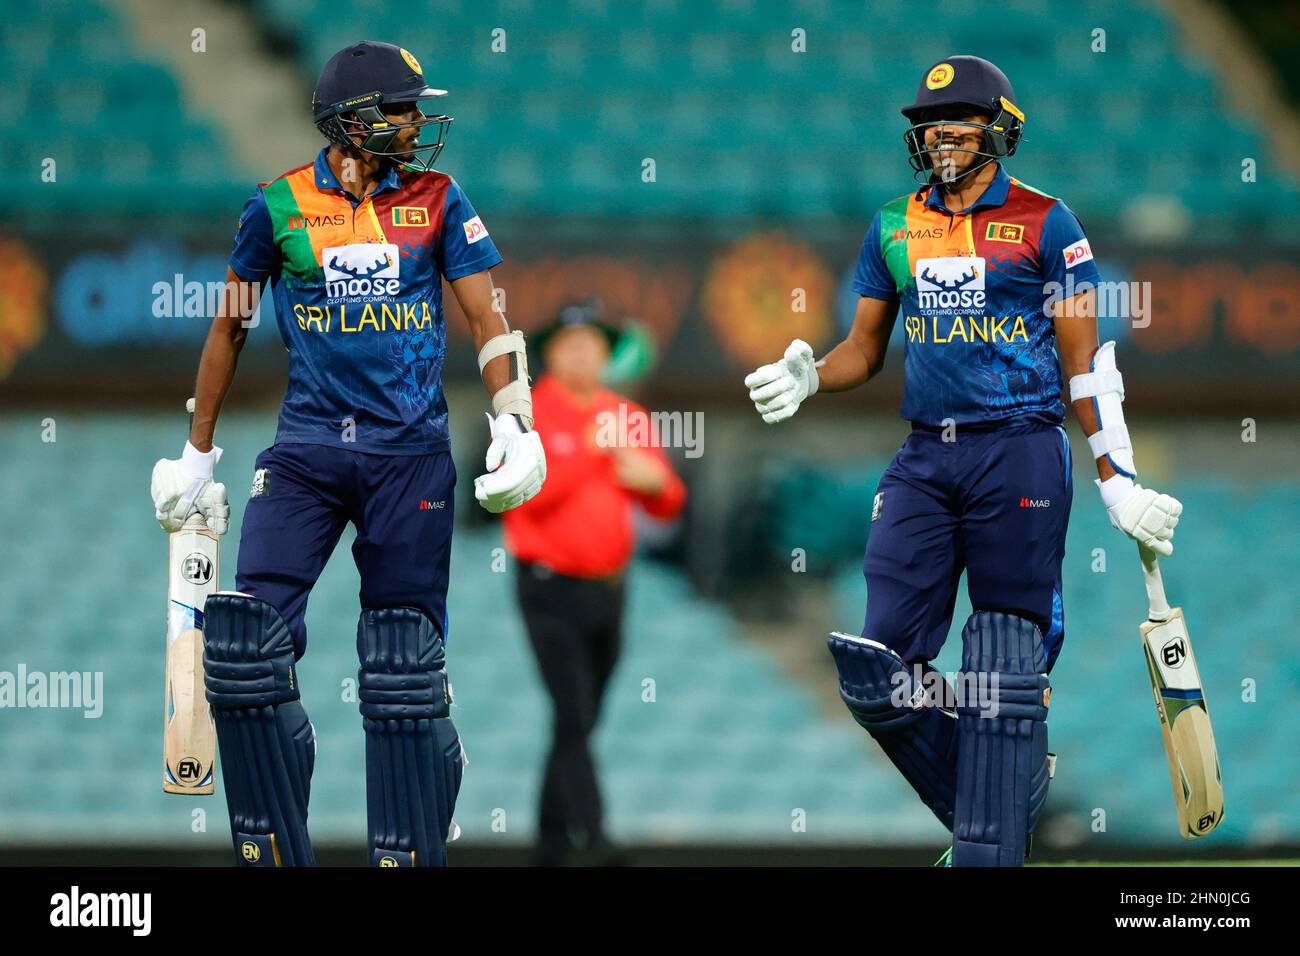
<point>777,390</point>
<point>182,486</point>
<point>1146,516</point>
<point>516,466</point>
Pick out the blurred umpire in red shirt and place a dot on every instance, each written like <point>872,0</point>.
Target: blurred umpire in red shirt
<point>573,542</point>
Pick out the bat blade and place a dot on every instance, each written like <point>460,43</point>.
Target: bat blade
<point>1185,727</point>
<point>189,735</point>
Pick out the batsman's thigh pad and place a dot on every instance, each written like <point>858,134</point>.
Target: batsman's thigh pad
<point>413,755</point>
<point>268,746</point>
<point>884,696</point>
<point>1002,766</point>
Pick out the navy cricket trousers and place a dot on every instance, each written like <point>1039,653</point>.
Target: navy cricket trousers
<point>994,503</point>
<point>304,495</point>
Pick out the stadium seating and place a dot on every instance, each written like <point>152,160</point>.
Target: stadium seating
<point>731,745</point>
<point>718,753</point>
<point>808,135</point>
<point>803,135</point>
<point>110,115</point>
<point>728,749</point>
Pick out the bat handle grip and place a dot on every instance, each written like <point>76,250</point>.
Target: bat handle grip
<point>196,522</point>
<point>1159,604</point>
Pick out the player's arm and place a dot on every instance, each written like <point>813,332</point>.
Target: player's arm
<point>516,463</point>
<point>225,341</point>
<point>1097,395</point>
<point>181,485</point>
<point>861,356</point>
<point>475,295</point>
<point>1076,344</point>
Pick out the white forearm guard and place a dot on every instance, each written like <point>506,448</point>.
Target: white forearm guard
<point>516,397</point>
<point>1105,386</point>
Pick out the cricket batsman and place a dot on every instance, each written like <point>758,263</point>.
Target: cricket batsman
<point>355,244</point>
<point>996,284</point>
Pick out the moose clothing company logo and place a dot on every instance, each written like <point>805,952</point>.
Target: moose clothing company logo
<point>952,298</point>
<point>261,483</point>
<point>950,285</point>
<point>75,908</point>
<point>361,270</point>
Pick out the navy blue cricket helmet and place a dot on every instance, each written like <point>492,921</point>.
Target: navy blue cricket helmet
<point>965,82</point>
<point>361,78</point>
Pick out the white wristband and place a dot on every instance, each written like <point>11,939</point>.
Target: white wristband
<point>199,464</point>
<point>1114,489</point>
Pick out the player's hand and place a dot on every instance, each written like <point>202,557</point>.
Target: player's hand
<point>1146,516</point>
<point>777,390</point>
<point>516,466</point>
<point>182,486</point>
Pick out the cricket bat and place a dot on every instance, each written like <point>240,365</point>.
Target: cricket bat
<point>1180,705</point>
<point>189,735</point>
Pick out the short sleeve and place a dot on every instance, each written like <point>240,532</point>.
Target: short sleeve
<point>465,246</point>
<point>872,277</point>
<point>255,256</point>
<point>1064,250</point>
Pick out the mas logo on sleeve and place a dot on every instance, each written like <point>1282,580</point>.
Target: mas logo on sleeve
<point>1077,252</point>
<point>475,230</point>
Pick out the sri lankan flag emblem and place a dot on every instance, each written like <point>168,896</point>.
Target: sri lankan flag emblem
<point>410,216</point>
<point>1005,232</point>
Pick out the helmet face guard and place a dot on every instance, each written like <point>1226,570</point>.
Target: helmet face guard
<point>364,116</point>
<point>999,139</point>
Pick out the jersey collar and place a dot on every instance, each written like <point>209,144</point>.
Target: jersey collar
<point>995,194</point>
<point>325,179</point>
